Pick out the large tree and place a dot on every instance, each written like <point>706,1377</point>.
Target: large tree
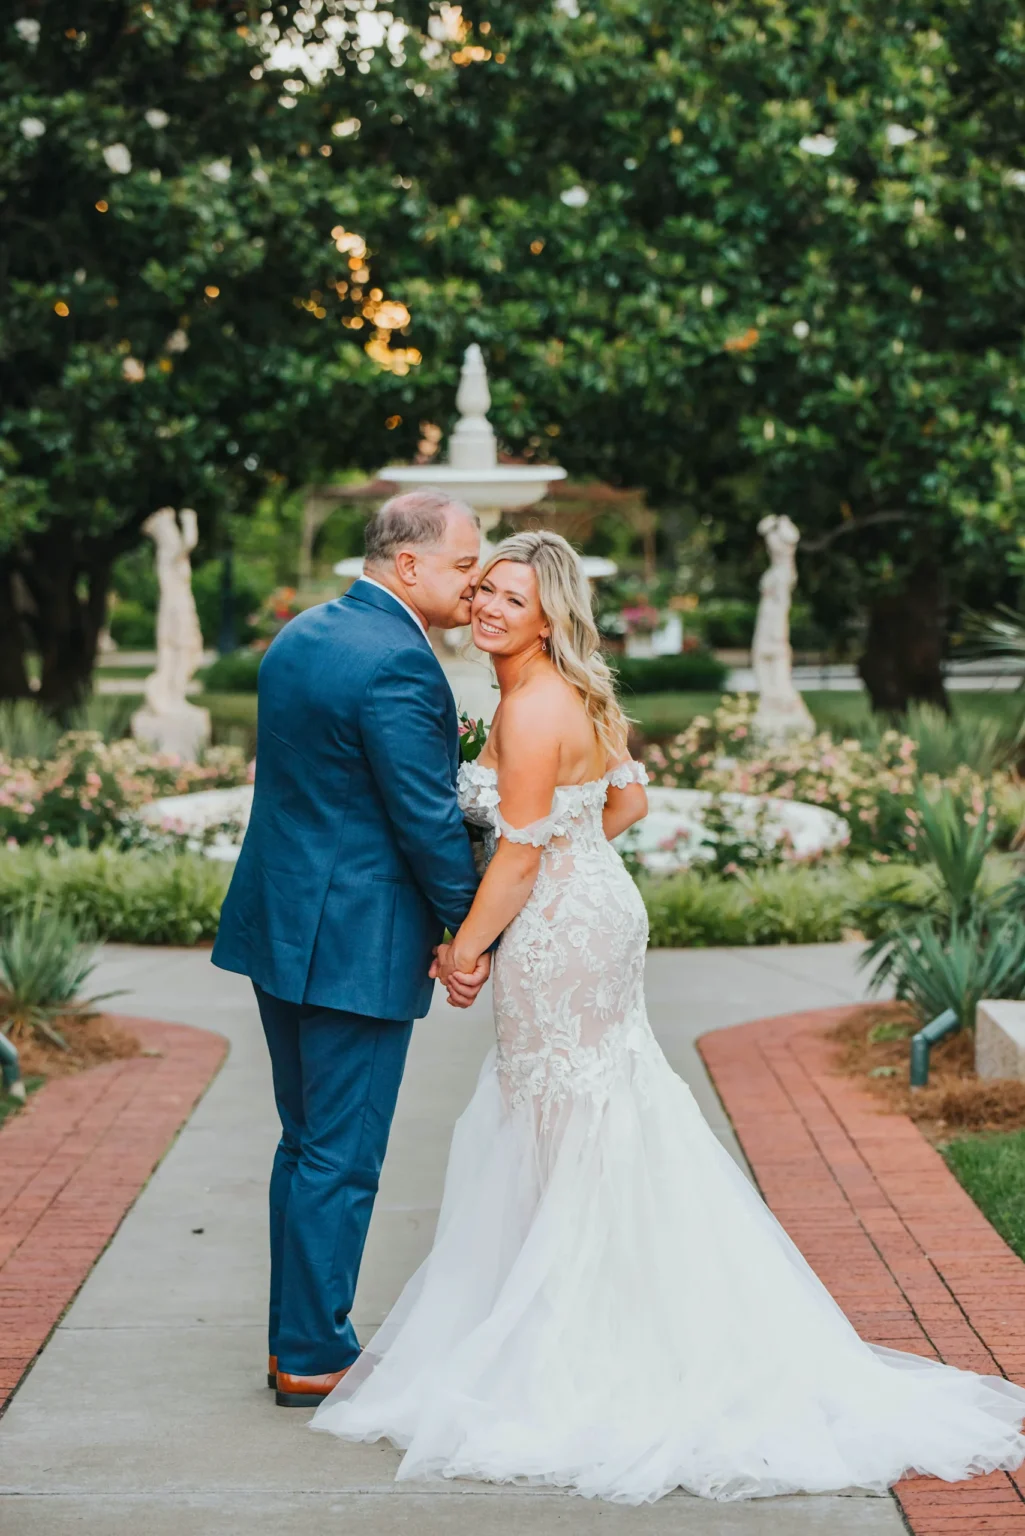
<point>765,256</point>
<point>185,295</point>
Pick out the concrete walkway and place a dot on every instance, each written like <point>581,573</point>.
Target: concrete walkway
<point>147,1411</point>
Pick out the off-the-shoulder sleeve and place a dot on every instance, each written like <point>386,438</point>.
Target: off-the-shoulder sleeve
<point>539,833</point>
<point>628,772</point>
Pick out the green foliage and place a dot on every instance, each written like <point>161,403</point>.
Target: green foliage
<point>959,939</point>
<point>26,731</point>
<point>170,269</point>
<point>45,960</point>
<point>688,672</point>
<point>128,898</point>
<point>251,585</point>
<point>82,790</point>
<point>133,626</point>
<point>946,743</point>
<point>992,1170</point>
<point>796,905</point>
<point>936,966</point>
<point>236,673</point>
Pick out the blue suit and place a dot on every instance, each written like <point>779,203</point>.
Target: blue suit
<point>355,861</point>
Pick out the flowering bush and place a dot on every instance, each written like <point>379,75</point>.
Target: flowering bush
<point>641,619</point>
<point>873,788</point>
<point>275,612</point>
<point>84,791</point>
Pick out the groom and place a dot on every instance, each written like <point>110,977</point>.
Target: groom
<point>355,861</point>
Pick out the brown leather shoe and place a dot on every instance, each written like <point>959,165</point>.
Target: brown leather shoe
<point>272,1371</point>
<point>305,1391</point>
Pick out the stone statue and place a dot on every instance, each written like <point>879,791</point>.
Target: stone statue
<point>168,722</point>
<point>781,711</point>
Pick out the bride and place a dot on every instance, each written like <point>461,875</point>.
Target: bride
<point>609,1307</point>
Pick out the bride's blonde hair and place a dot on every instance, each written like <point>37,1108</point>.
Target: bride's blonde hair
<point>574,646</point>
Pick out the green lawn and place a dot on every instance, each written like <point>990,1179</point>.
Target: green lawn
<point>992,1170</point>
<point>659,715</point>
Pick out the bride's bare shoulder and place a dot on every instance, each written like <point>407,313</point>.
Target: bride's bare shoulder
<point>541,712</point>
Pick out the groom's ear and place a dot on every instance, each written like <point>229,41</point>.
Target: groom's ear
<point>405,566</point>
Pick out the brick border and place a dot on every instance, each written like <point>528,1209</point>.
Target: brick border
<point>73,1162</point>
<point>888,1229</point>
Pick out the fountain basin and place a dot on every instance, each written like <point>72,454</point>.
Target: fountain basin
<point>672,837</point>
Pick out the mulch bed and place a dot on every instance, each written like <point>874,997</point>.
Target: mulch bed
<point>74,1161</point>
<point>882,1220</point>
<point>91,1041</point>
<point>873,1048</point>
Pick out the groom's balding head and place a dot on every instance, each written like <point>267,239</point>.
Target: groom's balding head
<point>413,520</point>
<point>425,547</point>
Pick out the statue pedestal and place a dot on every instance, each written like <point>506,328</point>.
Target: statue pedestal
<point>183,732</point>
<point>777,720</point>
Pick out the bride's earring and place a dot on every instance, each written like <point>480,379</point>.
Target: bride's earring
<point>545,645</point>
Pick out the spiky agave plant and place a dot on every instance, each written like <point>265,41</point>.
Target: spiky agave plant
<point>973,959</point>
<point>45,960</point>
<point>960,941</point>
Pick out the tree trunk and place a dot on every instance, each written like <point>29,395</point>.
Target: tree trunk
<point>67,584</point>
<point>902,660</point>
<point>13,672</point>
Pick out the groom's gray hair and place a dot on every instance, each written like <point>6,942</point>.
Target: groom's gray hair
<point>414,518</point>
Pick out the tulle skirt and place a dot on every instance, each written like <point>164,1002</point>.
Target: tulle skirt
<point>610,1308</point>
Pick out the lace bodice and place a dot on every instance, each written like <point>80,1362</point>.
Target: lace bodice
<point>576,812</point>
<point>569,971</point>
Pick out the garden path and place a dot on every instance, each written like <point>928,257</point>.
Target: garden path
<point>147,1409</point>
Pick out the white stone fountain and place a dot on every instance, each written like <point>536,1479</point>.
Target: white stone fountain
<point>472,474</point>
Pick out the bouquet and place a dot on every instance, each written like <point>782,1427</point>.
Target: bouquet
<point>472,736</point>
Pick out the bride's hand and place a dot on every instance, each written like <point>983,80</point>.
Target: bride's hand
<point>462,976</point>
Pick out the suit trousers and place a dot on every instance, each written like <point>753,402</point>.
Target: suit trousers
<point>336,1080</point>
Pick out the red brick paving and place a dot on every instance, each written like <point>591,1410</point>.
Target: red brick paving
<point>887,1228</point>
<point>71,1165</point>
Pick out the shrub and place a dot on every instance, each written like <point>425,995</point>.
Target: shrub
<point>873,788</point>
<point>45,961</point>
<point>83,791</point>
<point>251,584</point>
<point>687,672</point>
<point>235,673</point>
<point>959,939</point>
<point>128,898</point>
<point>133,626</point>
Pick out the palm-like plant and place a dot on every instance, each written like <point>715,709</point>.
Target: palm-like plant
<point>26,730</point>
<point>961,941</point>
<point>44,962</point>
<point>934,971</point>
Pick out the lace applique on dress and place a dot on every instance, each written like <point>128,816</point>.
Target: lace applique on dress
<point>569,971</point>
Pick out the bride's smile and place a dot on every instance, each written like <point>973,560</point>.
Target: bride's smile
<point>506,616</point>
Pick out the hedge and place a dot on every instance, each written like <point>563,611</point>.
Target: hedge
<point>687,672</point>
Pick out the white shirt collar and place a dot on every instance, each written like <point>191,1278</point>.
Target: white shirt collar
<point>381,588</point>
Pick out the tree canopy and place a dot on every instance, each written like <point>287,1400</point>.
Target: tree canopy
<point>757,257</point>
<point>185,297</point>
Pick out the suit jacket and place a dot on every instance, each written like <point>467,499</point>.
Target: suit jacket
<point>356,857</point>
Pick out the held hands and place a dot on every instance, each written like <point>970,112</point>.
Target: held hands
<point>462,975</point>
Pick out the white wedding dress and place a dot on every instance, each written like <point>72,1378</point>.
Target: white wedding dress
<point>609,1307</point>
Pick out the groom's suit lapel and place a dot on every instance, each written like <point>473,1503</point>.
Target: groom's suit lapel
<point>373,597</point>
